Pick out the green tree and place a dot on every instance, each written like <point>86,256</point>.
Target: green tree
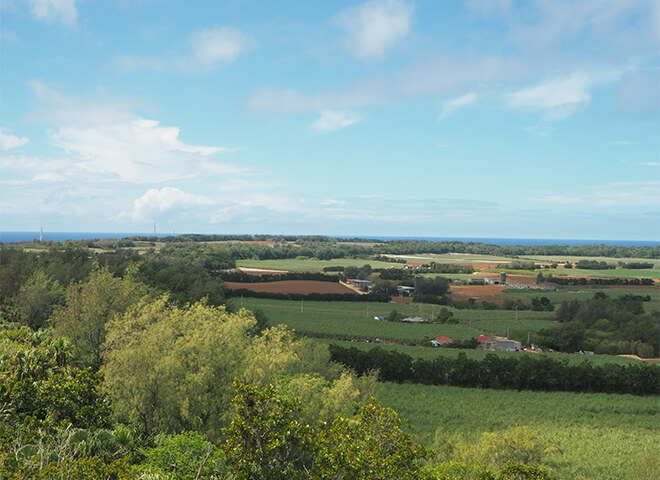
<point>170,369</point>
<point>90,306</point>
<point>185,456</point>
<point>370,445</point>
<point>265,441</point>
<point>36,299</point>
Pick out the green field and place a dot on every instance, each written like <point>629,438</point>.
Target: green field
<point>455,258</point>
<point>575,259</point>
<point>356,320</point>
<point>618,273</point>
<point>430,353</point>
<point>586,292</point>
<point>600,436</point>
<point>312,265</point>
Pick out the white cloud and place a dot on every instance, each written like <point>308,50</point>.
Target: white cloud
<point>134,150</point>
<point>158,201</point>
<point>332,202</point>
<point>617,26</point>
<point>54,11</point>
<point>375,26</point>
<point>624,142</point>
<point>214,47</point>
<point>207,49</point>
<point>445,75</point>
<point>610,195</point>
<point>104,142</point>
<point>331,120</point>
<point>8,141</point>
<point>442,145</point>
<point>451,106</point>
<point>558,98</point>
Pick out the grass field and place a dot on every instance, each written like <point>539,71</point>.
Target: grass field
<point>430,353</point>
<point>312,265</point>
<point>585,293</point>
<point>575,259</point>
<point>356,320</point>
<point>617,273</point>
<point>455,258</point>
<point>600,436</point>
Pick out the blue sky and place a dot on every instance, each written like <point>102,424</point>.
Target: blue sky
<point>490,118</point>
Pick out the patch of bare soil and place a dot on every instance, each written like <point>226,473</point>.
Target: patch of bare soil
<point>488,293</point>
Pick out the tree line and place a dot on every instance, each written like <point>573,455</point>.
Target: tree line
<point>519,372</point>
<point>330,247</point>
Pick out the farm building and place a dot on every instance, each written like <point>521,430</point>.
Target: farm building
<point>482,338</point>
<point>436,342</point>
<point>403,290</point>
<point>500,344</point>
<point>363,285</point>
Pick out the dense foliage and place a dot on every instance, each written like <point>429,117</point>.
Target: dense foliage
<point>606,324</point>
<point>525,372</point>
<point>118,360</point>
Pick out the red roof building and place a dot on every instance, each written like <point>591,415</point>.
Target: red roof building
<point>482,338</point>
<point>441,341</point>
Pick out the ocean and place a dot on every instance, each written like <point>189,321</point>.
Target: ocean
<point>14,237</point>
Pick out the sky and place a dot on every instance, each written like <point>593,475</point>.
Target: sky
<point>481,118</point>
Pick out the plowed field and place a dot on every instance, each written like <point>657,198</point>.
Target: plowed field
<point>489,293</point>
<point>292,286</point>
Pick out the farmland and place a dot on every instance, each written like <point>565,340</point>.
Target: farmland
<point>427,352</point>
<point>356,320</point>
<point>599,436</point>
<point>575,259</point>
<point>312,264</point>
<point>292,286</point>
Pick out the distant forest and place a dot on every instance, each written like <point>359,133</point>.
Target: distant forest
<point>321,247</point>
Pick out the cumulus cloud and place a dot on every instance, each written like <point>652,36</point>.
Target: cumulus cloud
<point>103,141</point>
<point>206,49</point>
<point>9,141</point>
<point>158,201</point>
<point>54,11</point>
<point>451,106</point>
<point>331,120</point>
<point>376,26</point>
<point>558,99</point>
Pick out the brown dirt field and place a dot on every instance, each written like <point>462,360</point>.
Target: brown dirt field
<point>489,293</point>
<point>480,266</point>
<point>292,286</point>
<point>397,299</point>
